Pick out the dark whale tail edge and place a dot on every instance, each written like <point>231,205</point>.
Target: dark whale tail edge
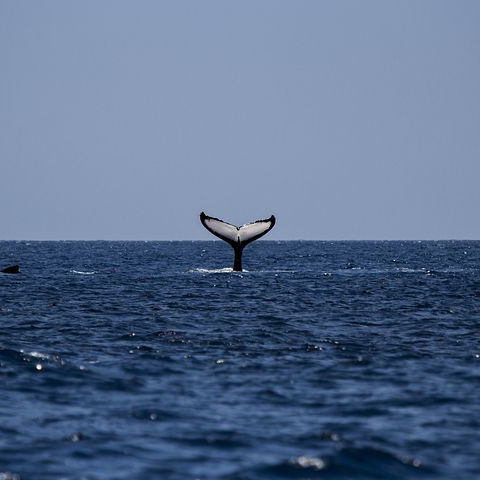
<point>237,237</point>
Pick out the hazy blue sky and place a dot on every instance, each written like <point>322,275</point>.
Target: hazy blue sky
<point>346,119</point>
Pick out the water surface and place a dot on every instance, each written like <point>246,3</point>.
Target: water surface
<point>332,360</point>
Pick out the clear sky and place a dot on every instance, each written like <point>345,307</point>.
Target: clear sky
<point>345,119</point>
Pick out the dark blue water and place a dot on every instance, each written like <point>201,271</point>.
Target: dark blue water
<point>343,360</point>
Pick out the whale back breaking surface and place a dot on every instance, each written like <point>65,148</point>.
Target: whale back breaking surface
<point>11,269</point>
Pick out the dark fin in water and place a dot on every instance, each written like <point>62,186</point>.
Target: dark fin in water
<point>11,269</point>
<point>237,237</point>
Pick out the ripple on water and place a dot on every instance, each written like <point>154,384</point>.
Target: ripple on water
<point>346,462</point>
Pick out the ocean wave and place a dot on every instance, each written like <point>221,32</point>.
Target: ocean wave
<point>364,463</point>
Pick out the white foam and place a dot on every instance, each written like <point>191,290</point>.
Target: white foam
<point>230,270</point>
<point>79,272</point>
<point>212,270</point>
<point>306,461</point>
<point>43,356</point>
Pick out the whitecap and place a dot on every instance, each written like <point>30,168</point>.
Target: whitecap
<point>79,272</point>
<point>306,461</point>
<point>43,356</point>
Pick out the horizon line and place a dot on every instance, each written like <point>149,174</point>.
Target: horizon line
<point>261,240</point>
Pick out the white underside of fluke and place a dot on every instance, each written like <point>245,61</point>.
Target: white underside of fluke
<point>222,229</point>
<point>237,235</point>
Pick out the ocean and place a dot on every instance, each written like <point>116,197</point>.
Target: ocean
<point>153,360</point>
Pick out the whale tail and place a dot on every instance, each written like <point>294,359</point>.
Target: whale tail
<point>237,237</point>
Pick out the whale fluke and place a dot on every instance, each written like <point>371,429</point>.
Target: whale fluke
<point>11,269</point>
<point>237,237</point>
